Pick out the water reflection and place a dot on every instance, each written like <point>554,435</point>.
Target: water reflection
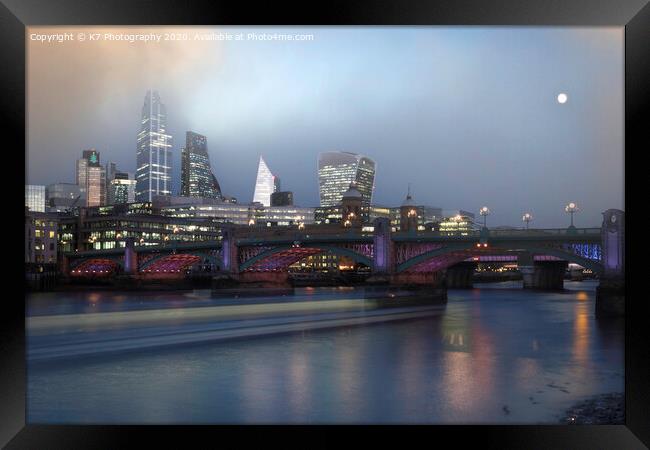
<point>581,332</point>
<point>488,349</point>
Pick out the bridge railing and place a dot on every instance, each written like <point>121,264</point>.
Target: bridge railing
<point>546,232</point>
<point>515,233</point>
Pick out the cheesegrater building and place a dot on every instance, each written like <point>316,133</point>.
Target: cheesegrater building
<point>265,184</point>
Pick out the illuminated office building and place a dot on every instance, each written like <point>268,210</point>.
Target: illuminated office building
<point>238,214</point>
<point>121,189</point>
<point>35,197</point>
<point>40,237</point>
<point>336,170</point>
<point>154,153</point>
<point>456,222</point>
<point>423,215</point>
<point>91,179</point>
<point>197,179</point>
<point>265,184</point>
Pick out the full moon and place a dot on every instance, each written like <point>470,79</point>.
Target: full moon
<point>562,98</point>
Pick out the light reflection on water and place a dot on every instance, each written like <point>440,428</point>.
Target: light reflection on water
<point>494,356</point>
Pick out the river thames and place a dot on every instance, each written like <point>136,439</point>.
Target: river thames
<point>495,354</point>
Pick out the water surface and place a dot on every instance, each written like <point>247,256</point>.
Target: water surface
<point>494,354</point>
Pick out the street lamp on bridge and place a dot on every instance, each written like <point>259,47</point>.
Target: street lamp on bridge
<point>527,217</point>
<point>484,211</point>
<point>571,208</point>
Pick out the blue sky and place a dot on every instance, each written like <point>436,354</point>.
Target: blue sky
<point>467,115</point>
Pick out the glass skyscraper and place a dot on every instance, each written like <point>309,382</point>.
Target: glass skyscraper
<point>60,197</point>
<point>197,179</point>
<point>266,184</point>
<point>35,197</point>
<point>336,170</point>
<point>154,157</point>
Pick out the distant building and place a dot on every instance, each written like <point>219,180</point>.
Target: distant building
<point>334,214</point>
<point>265,184</point>
<point>197,178</point>
<point>111,170</point>
<point>61,197</point>
<point>419,219</point>
<point>108,227</point>
<point>40,237</point>
<point>154,153</point>
<point>121,189</point>
<point>456,222</point>
<point>239,214</point>
<point>284,198</point>
<point>336,170</point>
<point>91,178</point>
<point>35,197</point>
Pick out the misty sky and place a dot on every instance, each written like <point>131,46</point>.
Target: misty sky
<point>467,115</point>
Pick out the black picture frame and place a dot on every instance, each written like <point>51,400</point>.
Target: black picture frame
<point>634,15</point>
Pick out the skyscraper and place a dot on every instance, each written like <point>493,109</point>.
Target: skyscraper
<point>336,170</point>
<point>266,184</point>
<point>121,189</point>
<point>60,197</point>
<point>91,178</point>
<point>154,155</point>
<point>197,179</point>
<point>35,197</point>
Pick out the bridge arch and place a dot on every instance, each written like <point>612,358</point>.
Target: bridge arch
<point>185,259</point>
<point>595,266</point>
<point>438,252</point>
<point>469,250</point>
<point>95,266</point>
<point>78,261</point>
<point>295,254</point>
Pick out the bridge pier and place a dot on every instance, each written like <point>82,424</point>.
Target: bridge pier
<point>459,276</point>
<point>130,258</point>
<point>419,279</point>
<point>541,274</point>
<point>383,266</point>
<point>264,278</point>
<point>610,294</point>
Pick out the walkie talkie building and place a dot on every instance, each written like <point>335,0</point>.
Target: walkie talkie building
<point>336,170</point>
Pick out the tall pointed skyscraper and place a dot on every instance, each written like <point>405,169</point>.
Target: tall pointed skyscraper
<point>197,179</point>
<point>266,184</point>
<point>154,158</point>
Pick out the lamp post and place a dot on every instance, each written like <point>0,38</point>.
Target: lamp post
<point>527,217</point>
<point>484,211</point>
<point>571,208</point>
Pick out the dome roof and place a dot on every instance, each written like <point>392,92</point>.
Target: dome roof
<point>352,192</point>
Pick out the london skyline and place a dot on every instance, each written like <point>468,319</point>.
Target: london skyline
<point>463,92</point>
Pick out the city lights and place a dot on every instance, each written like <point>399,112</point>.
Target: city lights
<point>571,208</point>
<point>527,217</point>
<point>484,211</point>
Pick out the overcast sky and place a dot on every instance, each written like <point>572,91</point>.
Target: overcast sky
<point>467,115</point>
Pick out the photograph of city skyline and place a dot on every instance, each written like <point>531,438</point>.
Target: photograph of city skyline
<point>325,225</point>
